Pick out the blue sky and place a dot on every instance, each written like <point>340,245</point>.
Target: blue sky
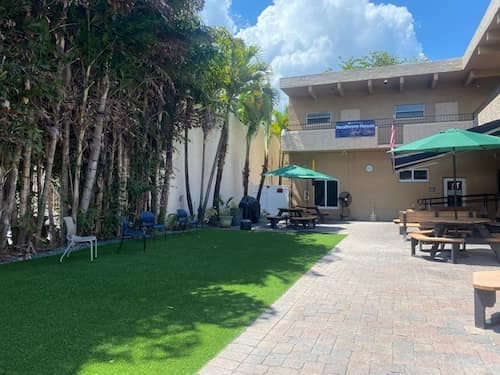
<point>303,37</point>
<point>443,27</point>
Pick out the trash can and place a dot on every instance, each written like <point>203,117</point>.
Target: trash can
<point>250,209</point>
<point>245,224</point>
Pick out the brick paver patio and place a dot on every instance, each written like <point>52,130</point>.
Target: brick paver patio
<point>370,308</point>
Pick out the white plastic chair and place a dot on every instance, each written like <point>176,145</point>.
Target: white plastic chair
<point>73,239</point>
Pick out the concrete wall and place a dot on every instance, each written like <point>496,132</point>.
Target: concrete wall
<point>382,186</point>
<point>380,105</point>
<point>491,111</point>
<point>232,185</point>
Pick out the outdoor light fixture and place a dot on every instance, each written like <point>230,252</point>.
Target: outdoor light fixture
<point>369,168</point>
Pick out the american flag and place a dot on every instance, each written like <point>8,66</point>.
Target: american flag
<point>392,141</point>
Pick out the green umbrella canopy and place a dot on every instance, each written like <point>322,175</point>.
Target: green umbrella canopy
<point>451,140</point>
<point>295,171</point>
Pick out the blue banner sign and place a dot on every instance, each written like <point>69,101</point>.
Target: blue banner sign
<point>362,128</point>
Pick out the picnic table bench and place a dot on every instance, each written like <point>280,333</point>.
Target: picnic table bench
<point>275,219</point>
<point>485,284</point>
<point>425,237</point>
<point>304,220</point>
<point>284,213</point>
<point>314,211</point>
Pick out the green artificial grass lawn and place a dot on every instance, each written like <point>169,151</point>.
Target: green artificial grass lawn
<point>166,311</point>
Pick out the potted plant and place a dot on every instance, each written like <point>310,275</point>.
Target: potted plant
<point>225,217</point>
<point>210,217</point>
<point>235,213</point>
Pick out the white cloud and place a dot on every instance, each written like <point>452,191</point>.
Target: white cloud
<point>299,37</point>
<point>216,12</point>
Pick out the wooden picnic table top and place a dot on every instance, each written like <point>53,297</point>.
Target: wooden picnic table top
<point>291,209</point>
<point>486,280</point>
<point>453,221</point>
<point>315,208</point>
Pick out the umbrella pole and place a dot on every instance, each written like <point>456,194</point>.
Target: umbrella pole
<point>455,184</point>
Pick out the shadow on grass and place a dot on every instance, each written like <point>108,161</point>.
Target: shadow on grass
<point>166,311</point>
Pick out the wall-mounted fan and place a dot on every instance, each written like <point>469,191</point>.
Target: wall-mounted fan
<point>345,200</point>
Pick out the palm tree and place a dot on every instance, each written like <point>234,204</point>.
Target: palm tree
<point>241,72</point>
<point>279,124</point>
<point>272,128</point>
<point>255,111</point>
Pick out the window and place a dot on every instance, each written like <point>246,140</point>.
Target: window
<point>318,118</point>
<point>414,175</point>
<point>326,193</point>
<point>409,111</point>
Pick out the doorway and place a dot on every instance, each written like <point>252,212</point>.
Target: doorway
<point>449,188</point>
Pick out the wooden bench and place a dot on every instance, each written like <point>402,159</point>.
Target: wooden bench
<point>304,220</point>
<point>275,219</point>
<point>485,284</point>
<point>413,219</point>
<point>422,237</point>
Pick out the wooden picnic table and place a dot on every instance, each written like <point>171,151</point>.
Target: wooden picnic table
<point>294,215</point>
<point>449,226</point>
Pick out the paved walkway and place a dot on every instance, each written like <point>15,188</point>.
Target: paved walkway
<point>370,308</point>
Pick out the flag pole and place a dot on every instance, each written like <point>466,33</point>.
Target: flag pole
<point>392,143</point>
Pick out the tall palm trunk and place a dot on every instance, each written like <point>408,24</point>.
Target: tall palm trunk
<point>122,176</point>
<point>186,170</point>
<point>80,135</point>
<point>50,210</point>
<point>221,159</point>
<point>65,167</point>
<point>64,110</point>
<point>95,149</point>
<point>168,160</point>
<point>42,203</point>
<point>265,164</point>
<point>201,212</point>
<point>8,204</point>
<point>246,167</point>
<point>25,191</point>
<point>111,168</point>
<point>212,174</point>
<point>156,193</point>
<point>262,177</point>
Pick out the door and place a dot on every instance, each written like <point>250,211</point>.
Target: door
<point>449,188</point>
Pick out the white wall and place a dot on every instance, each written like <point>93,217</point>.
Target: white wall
<point>232,180</point>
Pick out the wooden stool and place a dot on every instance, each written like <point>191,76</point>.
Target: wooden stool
<point>485,284</point>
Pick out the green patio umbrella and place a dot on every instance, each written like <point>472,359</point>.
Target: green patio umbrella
<point>451,140</point>
<point>295,171</point>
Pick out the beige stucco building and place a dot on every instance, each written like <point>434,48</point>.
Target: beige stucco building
<point>340,124</point>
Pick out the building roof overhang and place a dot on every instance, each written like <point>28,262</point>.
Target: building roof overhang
<point>396,76</point>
